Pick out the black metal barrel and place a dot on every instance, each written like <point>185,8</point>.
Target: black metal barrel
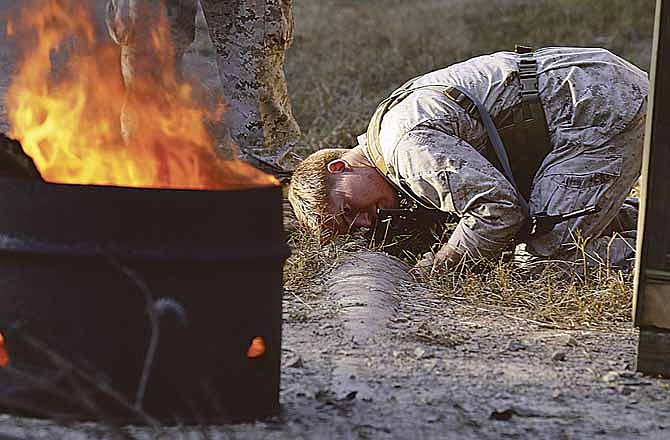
<point>91,275</point>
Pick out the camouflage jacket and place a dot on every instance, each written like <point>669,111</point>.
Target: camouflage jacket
<point>432,146</point>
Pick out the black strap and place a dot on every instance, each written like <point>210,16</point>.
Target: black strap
<point>520,49</point>
<point>523,128</point>
<point>530,95</point>
<point>494,138</point>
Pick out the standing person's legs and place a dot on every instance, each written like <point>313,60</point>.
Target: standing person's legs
<point>602,176</point>
<point>250,38</point>
<point>132,25</point>
<point>181,22</point>
<point>279,125</point>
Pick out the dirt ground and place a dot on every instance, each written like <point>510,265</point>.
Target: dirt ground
<point>434,369</point>
<point>430,368</point>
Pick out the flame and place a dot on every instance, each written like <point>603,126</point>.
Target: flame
<point>4,357</point>
<point>68,119</point>
<point>257,348</point>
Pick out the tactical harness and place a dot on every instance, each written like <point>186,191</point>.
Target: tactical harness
<point>523,126</point>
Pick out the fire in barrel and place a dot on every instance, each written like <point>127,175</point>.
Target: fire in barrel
<point>147,264</point>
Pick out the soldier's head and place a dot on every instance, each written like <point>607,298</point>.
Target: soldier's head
<point>336,190</point>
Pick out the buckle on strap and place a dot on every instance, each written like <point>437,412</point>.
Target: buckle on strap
<point>520,49</point>
<point>527,65</point>
<point>529,86</point>
<point>462,100</point>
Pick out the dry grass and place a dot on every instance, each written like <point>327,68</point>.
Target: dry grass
<point>349,54</point>
<point>310,261</point>
<point>551,297</point>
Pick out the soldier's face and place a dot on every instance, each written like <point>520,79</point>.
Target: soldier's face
<point>355,195</point>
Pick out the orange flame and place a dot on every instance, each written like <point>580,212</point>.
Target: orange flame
<point>68,119</point>
<point>257,348</point>
<point>4,357</point>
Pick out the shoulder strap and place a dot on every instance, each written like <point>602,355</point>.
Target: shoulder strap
<point>374,148</point>
<point>530,95</point>
<point>374,127</point>
<point>494,137</point>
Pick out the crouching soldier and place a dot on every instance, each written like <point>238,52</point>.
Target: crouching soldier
<point>538,147</point>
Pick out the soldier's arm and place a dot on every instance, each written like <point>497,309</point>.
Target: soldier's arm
<point>451,175</point>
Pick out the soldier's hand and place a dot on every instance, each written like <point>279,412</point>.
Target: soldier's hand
<point>446,258</point>
<point>424,266</point>
<point>426,261</point>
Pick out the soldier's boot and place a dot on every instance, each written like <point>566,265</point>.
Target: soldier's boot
<point>615,248</point>
<point>626,219</point>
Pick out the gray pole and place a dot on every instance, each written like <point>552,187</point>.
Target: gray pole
<point>652,277</point>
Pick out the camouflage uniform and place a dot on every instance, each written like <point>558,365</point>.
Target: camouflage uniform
<point>250,37</point>
<point>594,103</point>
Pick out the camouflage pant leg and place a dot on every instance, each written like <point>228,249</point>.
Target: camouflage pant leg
<point>131,23</point>
<point>251,37</point>
<point>616,252</point>
<point>616,246</point>
<point>626,218</point>
<point>607,237</point>
<point>279,125</point>
<point>181,21</point>
<point>612,168</point>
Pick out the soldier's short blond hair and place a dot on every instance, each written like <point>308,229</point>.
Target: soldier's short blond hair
<point>308,191</point>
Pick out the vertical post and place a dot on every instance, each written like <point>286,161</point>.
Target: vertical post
<point>652,276</point>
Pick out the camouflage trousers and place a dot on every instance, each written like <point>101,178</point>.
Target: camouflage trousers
<point>615,248</point>
<point>250,37</point>
<point>607,238</point>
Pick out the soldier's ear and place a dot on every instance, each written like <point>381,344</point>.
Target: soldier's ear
<point>338,166</point>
